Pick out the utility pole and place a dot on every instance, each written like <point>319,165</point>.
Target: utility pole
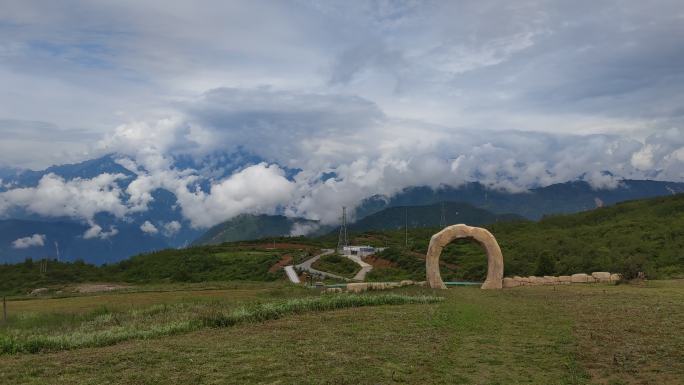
<point>342,239</point>
<point>442,220</point>
<point>406,228</point>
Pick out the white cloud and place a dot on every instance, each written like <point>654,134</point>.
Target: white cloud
<point>171,228</point>
<point>77,198</point>
<point>95,231</point>
<point>643,159</point>
<point>31,241</point>
<point>148,228</point>
<point>301,229</point>
<point>256,189</point>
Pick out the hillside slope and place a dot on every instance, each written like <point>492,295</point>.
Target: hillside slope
<point>250,227</point>
<point>429,216</point>
<point>642,235</point>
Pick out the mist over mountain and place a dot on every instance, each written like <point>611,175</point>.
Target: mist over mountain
<point>102,210</point>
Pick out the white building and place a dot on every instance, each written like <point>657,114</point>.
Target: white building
<point>361,251</point>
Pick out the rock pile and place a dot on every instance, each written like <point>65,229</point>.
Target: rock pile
<point>360,287</point>
<point>599,276</point>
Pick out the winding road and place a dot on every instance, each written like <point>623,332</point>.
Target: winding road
<point>306,266</point>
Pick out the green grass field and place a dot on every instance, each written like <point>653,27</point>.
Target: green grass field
<point>337,264</point>
<point>578,334</point>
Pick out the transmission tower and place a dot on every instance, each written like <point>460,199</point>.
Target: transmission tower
<point>342,239</point>
<point>442,220</point>
<point>406,228</point>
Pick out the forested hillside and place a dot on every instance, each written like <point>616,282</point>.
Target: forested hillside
<point>644,235</point>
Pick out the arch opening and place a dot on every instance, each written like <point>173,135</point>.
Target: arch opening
<point>482,236</point>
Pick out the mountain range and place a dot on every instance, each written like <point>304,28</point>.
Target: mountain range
<point>25,234</point>
<point>560,198</point>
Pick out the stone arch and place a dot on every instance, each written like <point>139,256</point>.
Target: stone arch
<point>438,241</point>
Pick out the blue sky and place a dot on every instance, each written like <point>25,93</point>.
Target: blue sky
<point>515,94</point>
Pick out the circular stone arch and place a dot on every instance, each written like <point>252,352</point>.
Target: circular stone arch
<point>482,236</point>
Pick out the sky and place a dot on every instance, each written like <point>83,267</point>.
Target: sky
<point>380,94</point>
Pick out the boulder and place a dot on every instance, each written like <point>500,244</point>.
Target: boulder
<point>601,276</point>
<point>510,282</point>
<point>591,279</point>
<point>565,279</point>
<point>406,282</point>
<point>579,278</point>
<point>615,277</point>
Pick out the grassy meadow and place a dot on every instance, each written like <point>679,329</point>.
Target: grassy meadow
<point>578,334</point>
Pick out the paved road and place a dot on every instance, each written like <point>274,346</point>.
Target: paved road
<point>292,274</point>
<point>360,276</point>
<point>306,266</point>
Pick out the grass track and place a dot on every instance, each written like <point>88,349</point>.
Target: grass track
<point>107,328</point>
<point>535,335</point>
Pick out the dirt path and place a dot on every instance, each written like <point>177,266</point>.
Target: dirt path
<point>284,261</point>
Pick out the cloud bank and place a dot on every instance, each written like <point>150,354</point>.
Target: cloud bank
<point>333,103</point>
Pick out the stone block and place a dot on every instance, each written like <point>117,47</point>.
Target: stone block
<point>579,278</point>
<point>551,280</point>
<point>510,282</point>
<point>601,276</point>
<point>357,287</point>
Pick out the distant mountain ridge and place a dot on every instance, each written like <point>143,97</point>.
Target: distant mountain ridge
<point>429,216</point>
<point>253,227</point>
<point>561,198</point>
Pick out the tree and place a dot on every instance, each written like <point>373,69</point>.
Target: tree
<point>545,264</point>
